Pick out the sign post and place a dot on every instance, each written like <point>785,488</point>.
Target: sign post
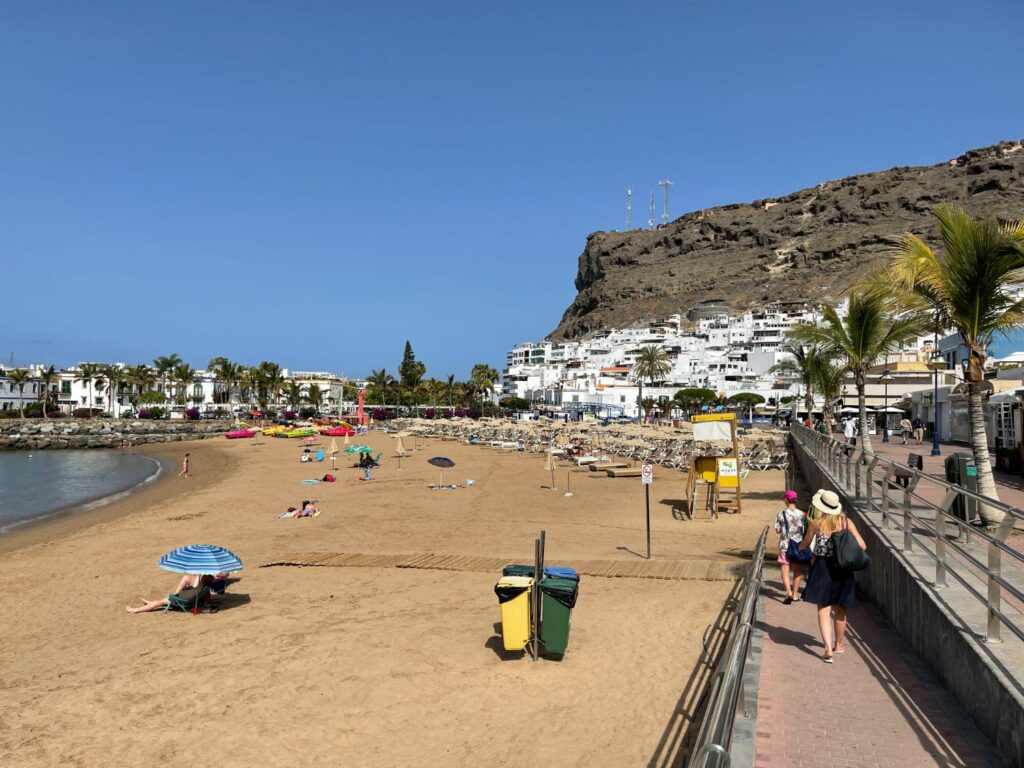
<point>647,477</point>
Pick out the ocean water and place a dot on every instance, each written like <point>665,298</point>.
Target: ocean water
<point>38,484</point>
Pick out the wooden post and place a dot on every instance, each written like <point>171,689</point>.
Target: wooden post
<point>736,455</point>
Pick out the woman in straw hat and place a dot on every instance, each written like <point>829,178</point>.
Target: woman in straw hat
<point>828,586</point>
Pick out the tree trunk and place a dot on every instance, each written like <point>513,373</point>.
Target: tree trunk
<point>979,445</point>
<point>862,416</point>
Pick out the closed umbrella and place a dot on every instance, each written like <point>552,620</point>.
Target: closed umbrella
<point>549,464</point>
<point>442,464</point>
<point>200,560</point>
<point>334,453</point>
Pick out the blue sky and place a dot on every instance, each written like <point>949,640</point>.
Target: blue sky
<point>316,182</point>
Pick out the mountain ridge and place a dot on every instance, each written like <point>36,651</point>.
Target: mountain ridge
<point>809,245</point>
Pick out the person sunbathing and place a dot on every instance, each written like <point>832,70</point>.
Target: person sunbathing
<point>190,584</point>
<point>308,509</point>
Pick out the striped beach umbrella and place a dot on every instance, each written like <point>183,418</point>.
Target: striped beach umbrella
<point>201,559</point>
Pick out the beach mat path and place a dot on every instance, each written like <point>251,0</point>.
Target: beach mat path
<point>673,570</point>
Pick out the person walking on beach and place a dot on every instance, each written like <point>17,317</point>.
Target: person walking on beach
<point>918,429</point>
<point>829,587</point>
<point>184,467</point>
<point>790,524</point>
<point>906,428</point>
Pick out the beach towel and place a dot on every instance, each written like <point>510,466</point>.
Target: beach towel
<point>310,482</point>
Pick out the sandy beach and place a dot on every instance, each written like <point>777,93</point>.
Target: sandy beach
<point>356,666</point>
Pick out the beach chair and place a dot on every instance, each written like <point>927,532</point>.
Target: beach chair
<point>188,602</point>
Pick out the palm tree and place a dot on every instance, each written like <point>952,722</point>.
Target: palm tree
<point>272,380</point>
<point>164,366</point>
<point>87,373</point>
<point>647,405</point>
<point>652,363</point>
<point>293,394</point>
<point>828,381</point>
<point>450,389</point>
<point>251,381</point>
<point>20,377</point>
<point>141,378</point>
<point>802,364</point>
<point>222,369</point>
<point>46,377</point>
<point>315,397</point>
<point>114,376</point>
<point>965,287</point>
<point>867,335</point>
<point>380,379</point>
<point>183,375</point>
<point>485,377</point>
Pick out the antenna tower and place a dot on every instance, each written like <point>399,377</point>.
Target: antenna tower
<point>650,221</point>
<point>666,184</point>
<point>629,207</point>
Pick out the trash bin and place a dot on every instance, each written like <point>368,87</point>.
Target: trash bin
<point>557,597</point>
<point>961,470</point>
<point>514,597</point>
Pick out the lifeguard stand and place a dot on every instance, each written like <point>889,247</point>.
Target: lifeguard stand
<point>717,476</point>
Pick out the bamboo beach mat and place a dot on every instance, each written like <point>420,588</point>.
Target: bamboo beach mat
<point>677,570</point>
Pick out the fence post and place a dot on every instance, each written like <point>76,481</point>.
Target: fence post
<point>856,479</point>
<point>908,538</point>
<point>849,471</point>
<point>995,566</point>
<point>885,496</point>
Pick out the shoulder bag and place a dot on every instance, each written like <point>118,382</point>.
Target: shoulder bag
<point>793,552</point>
<point>848,554</point>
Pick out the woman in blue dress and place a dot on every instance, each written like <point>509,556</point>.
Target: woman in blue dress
<point>829,587</point>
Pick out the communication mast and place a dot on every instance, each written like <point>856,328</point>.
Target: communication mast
<point>629,207</point>
<point>650,221</point>
<point>666,184</point>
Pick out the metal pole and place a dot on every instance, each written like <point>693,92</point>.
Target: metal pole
<point>935,406</point>
<point>908,533</point>
<point>647,498</point>
<point>885,411</point>
<point>534,601</point>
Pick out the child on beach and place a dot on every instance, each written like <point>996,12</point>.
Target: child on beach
<point>184,467</point>
<point>790,524</point>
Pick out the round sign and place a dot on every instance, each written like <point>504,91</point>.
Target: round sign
<point>647,473</point>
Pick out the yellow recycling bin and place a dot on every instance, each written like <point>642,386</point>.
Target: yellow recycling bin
<point>514,596</point>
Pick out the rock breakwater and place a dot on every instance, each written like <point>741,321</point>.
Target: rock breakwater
<point>103,433</point>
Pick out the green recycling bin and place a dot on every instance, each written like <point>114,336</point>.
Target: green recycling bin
<point>557,597</point>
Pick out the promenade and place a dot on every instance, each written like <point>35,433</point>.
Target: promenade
<point>876,706</point>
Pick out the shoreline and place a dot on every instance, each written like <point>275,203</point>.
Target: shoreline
<point>95,502</point>
<point>66,521</point>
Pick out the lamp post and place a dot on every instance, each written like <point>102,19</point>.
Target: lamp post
<point>886,378</point>
<point>936,363</point>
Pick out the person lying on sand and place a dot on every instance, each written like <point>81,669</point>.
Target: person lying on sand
<point>189,581</point>
<point>308,509</point>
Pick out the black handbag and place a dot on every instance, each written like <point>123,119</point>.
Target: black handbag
<point>848,554</point>
<point>794,554</point>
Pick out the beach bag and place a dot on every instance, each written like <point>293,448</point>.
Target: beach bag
<point>328,478</point>
<point>794,554</point>
<point>848,554</point>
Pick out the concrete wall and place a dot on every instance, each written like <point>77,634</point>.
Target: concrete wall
<point>941,632</point>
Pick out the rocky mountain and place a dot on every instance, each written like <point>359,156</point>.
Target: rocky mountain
<point>810,245</point>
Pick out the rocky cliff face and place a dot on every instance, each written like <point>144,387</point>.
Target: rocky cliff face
<point>810,245</point>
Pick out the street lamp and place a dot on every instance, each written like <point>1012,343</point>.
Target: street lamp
<point>935,364</point>
<point>885,379</point>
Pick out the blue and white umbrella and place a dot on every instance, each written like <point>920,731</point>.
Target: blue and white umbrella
<point>200,559</point>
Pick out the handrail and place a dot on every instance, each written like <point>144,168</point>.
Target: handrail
<point>867,479</point>
<point>725,688</point>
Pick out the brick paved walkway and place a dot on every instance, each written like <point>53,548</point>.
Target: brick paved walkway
<point>891,710</point>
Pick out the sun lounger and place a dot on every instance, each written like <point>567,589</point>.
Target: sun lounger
<point>602,466</point>
<point>625,472</point>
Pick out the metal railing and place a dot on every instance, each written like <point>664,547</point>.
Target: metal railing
<point>924,507</point>
<point>726,698</point>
